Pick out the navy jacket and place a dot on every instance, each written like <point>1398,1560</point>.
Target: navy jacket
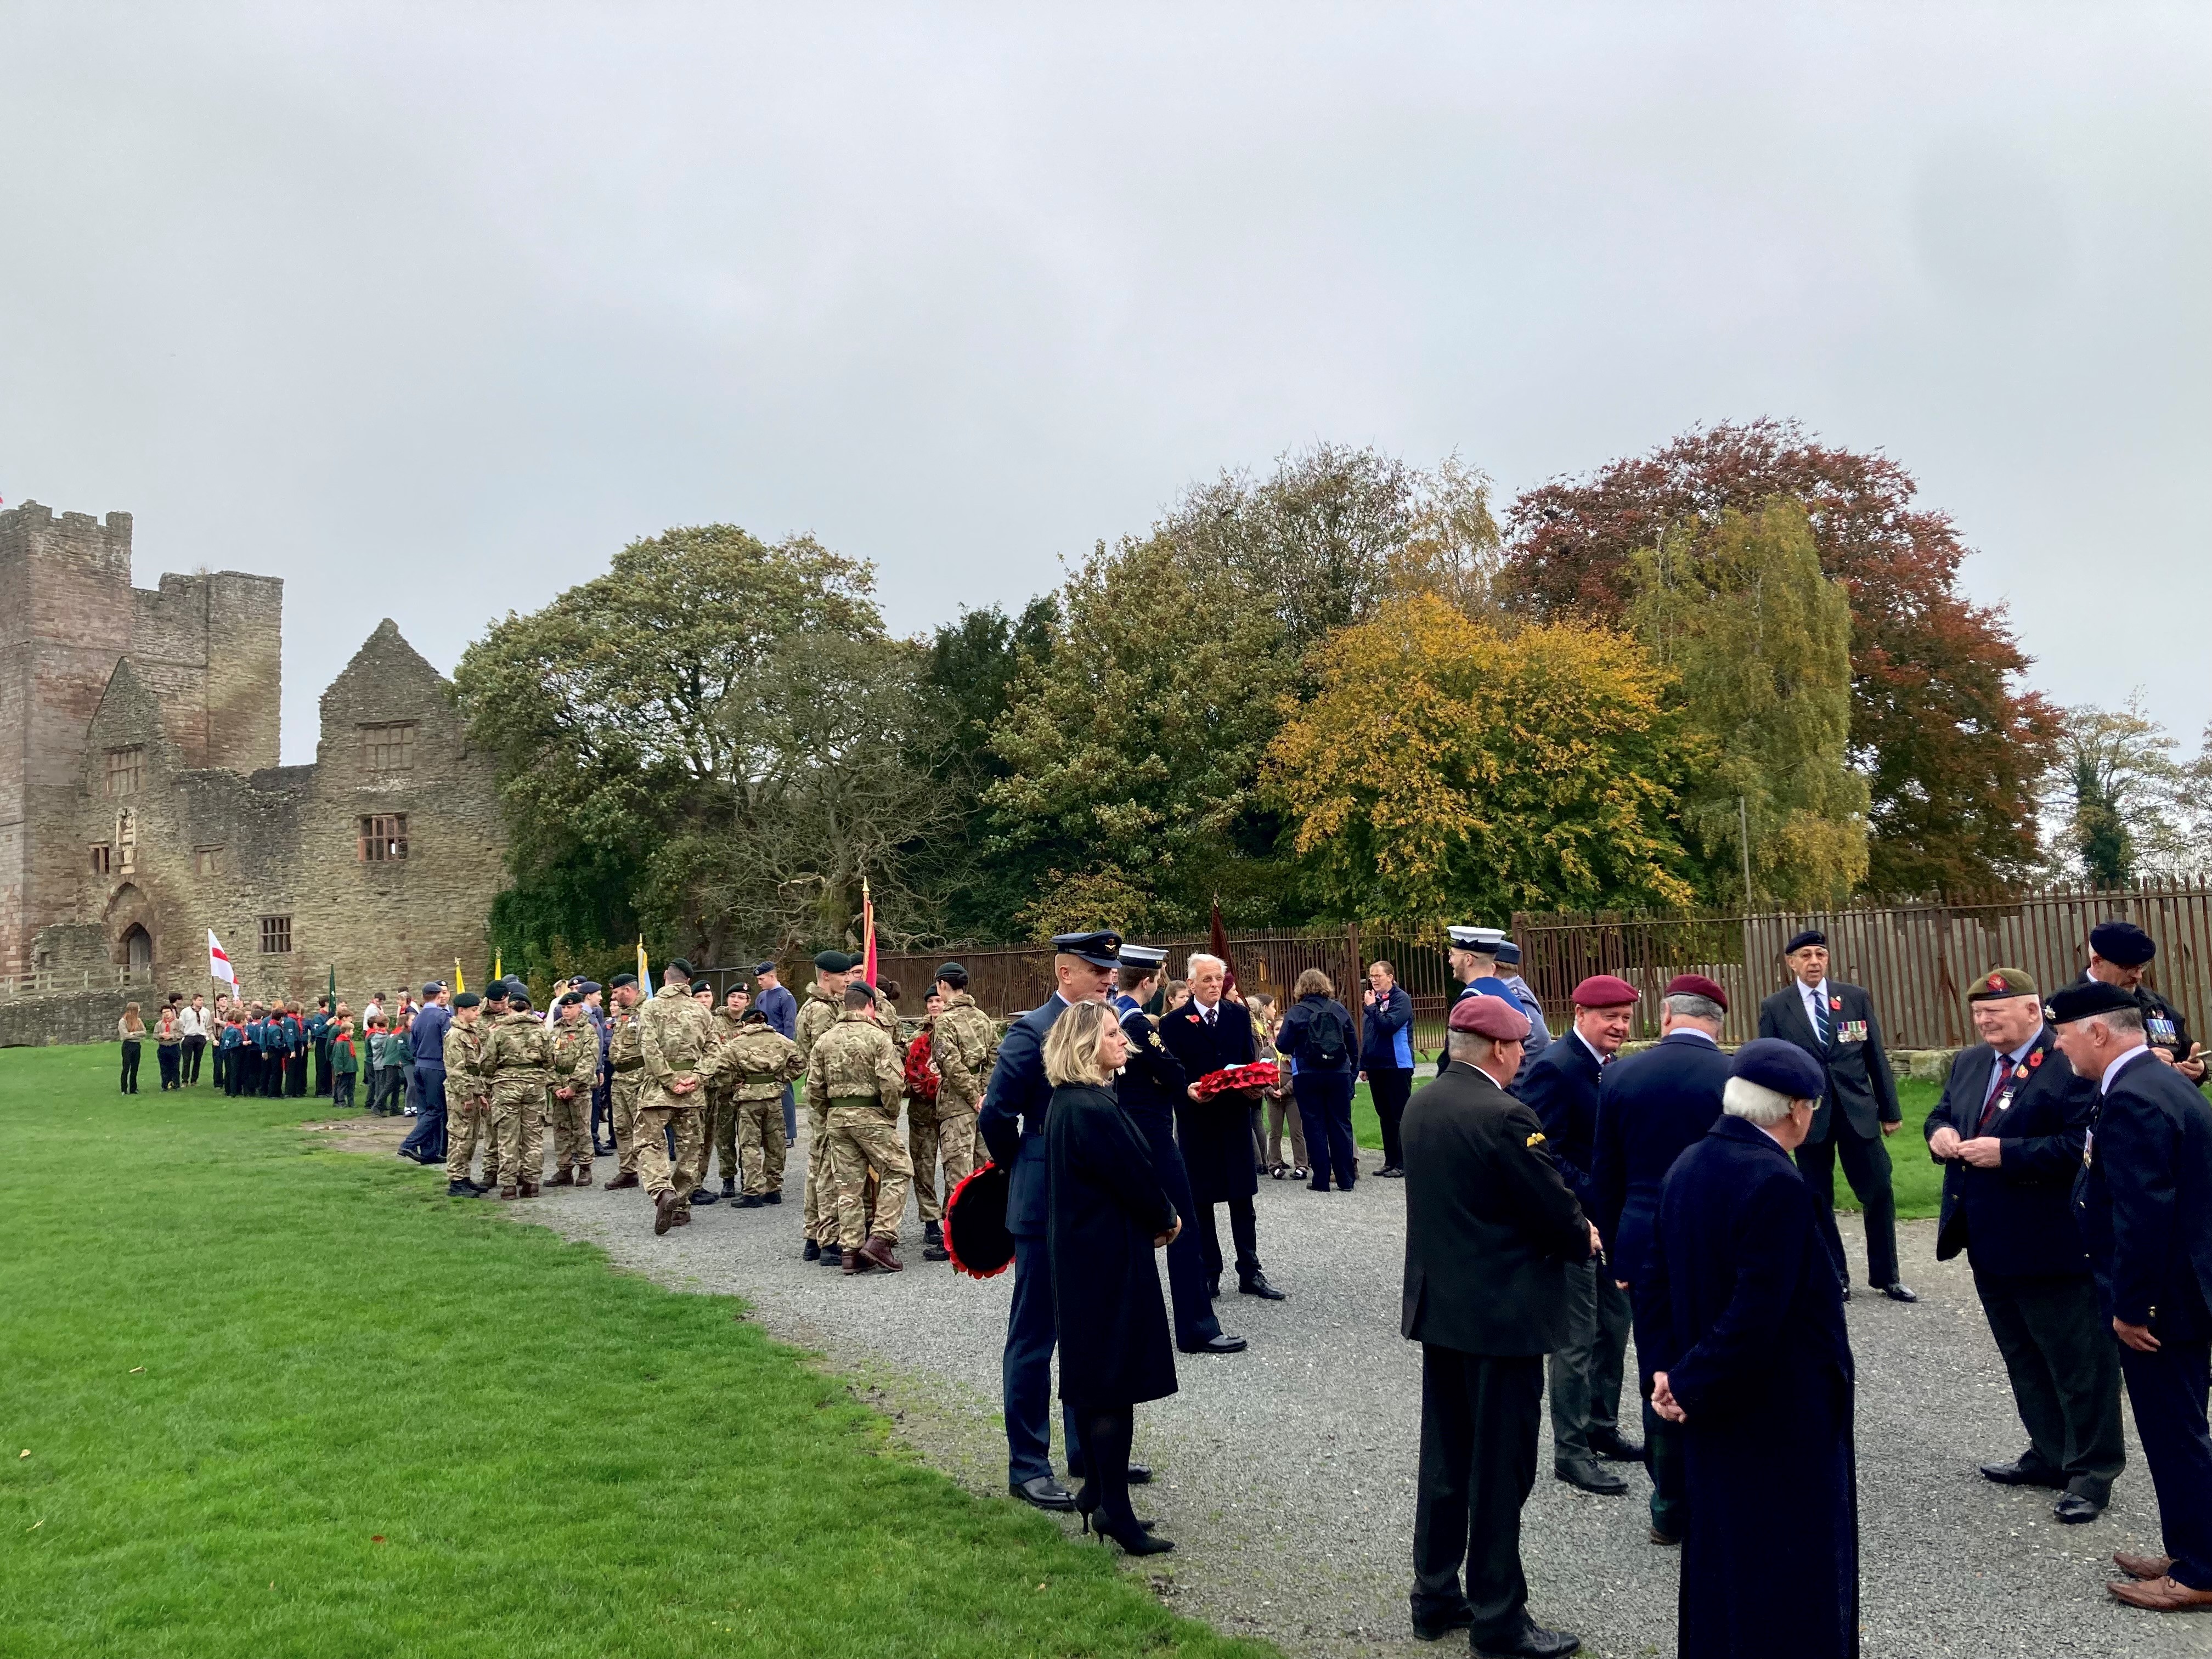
<point>1561,1088</point>
<point>1296,1039</point>
<point>2144,1198</point>
<point>1859,1079</point>
<point>1651,1108</point>
<point>2018,1218</point>
<point>427,1036</point>
<point>782,1009</point>
<point>1151,1083</point>
<point>1216,1134</point>
<point>1386,1034</point>
<point>1011,1121</point>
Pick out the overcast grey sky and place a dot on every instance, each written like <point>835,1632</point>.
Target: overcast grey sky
<point>429,309</point>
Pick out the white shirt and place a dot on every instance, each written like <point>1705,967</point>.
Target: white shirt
<point>1592,1046</point>
<point>191,1021</point>
<point>2105,1087</point>
<point>1702,1036</point>
<point>1815,996</point>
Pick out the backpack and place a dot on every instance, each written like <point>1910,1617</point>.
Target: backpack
<point>1326,1048</point>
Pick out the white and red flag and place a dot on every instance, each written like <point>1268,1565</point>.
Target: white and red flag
<point>219,963</point>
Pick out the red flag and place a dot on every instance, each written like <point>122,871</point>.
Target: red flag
<point>1219,945</point>
<point>868,923</point>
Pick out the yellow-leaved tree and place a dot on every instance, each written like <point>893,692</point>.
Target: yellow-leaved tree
<point>1441,769</point>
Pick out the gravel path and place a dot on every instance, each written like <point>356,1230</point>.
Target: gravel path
<point>1286,1473</point>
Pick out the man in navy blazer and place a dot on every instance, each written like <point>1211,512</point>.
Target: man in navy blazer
<point>1011,1123</point>
<point>1835,1023</point>
<point>1207,1033</point>
<point>1562,1089</point>
<point>2144,1201</point>
<point>2009,1130</point>
<point>1651,1108</point>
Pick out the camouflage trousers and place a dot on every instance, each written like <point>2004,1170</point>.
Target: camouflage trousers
<point>572,1127</point>
<point>654,1172</point>
<point>718,1133</point>
<point>622,1095</point>
<point>951,1137</point>
<point>760,1145</point>
<point>518,1128</point>
<point>468,1126</point>
<point>819,1217</point>
<point>864,1141</point>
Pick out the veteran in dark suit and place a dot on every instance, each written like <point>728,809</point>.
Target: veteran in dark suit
<point>1651,1108</point>
<point>1835,1023</point>
<point>1491,1231</point>
<point>1011,1122</point>
<point>1754,1366</point>
<point>1206,1034</point>
<point>1561,1087</point>
<point>2009,1131</point>
<point>1150,1087</point>
<point>2145,1202</point>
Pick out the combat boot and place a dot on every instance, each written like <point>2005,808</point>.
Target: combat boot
<point>729,1186</point>
<point>583,1175</point>
<point>749,1202</point>
<point>700,1195</point>
<point>683,1217</point>
<point>562,1177</point>
<point>463,1189</point>
<point>877,1249</point>
<point>664,1212</point>
<point>509,1193</point>
<point>833,1255</point>
<point>811,1253</point>
<point>530,1189</point>
<point>775,1197</point>
<point>622,1178</point>
<point>933,1243</point>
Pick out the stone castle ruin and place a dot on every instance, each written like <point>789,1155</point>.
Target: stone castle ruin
<point>142,802</point>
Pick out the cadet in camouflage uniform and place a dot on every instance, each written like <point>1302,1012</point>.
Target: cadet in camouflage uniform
<point>718,1129</point>
<point>854,1067</point>
<point>625,1073</point>
<point>468,1102</point>
<point>517,1057</point>
<point>493,1009</point>
<point>759,1060</point>
<point>575,1068</point>
<point>676,1036</point>
<point>823,1004</point>
<point>963,1042</point>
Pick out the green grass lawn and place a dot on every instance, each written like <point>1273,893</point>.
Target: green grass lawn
<point>284,1401</point>
<point>1915,1177</point>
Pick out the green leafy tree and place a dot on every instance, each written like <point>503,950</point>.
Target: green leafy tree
<point>2117,801</point>
<point>1759,642</point>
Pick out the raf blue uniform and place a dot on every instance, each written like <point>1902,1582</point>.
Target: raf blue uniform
<point>1150,1085</point>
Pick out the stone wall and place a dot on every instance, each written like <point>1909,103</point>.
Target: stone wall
<point>67,1017</point>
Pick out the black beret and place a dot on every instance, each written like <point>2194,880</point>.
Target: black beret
<point>519,999</point>
<point>677,965</point>
<point>576,997</point>
<point>952,970</point>
<point>467,1000</point>
<point>498,991</point>
<point>752,1016</point>
<point>2122,943</point>
<point>621,980</point>
<point>1781,1067</point>
<point>764,968</point>
<point>861,988</point>
<point>2090,997</point>
<point>1799,941</point>
<point>833,962</point>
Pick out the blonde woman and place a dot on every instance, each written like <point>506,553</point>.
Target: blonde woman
<point>131,1030</point>
<point>1106,1213</point>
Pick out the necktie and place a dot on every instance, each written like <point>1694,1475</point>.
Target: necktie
<point>1209,1016</point>
<point>1996,1087</point>
<point>1821,1026</point>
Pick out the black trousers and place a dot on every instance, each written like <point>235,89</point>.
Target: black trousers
<point>1390,1090</point>
<point>1243,1231</point>
<point>1480,1416</point>
<point>168,1058</point>
<point>1866,1166</point>
<point>2066,1368</point>
<point>194,1047</point>
<point>296,1074</point>
<point>131,1069</point>
<point>1585,1374</point>
<point>2168,1390</point>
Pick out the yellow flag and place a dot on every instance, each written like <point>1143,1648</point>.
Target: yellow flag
<point>644,973</point>
<point>497,975</point>
<point>460,984</point>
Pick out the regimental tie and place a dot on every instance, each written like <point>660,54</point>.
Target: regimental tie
<point>1822,1027</point>
<point>2008,1079</point>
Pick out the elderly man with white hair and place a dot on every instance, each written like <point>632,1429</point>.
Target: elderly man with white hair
<point>1754,1363</point>
<point>1206,1034</point>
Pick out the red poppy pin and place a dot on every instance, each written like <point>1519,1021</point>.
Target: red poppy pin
<point>2035,1059</point>
<point>1837,1004</point>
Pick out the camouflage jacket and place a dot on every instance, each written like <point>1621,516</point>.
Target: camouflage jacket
<point>817,1014</point>
<point>758,1061</point>
<point>963,1042</point>
<point>725,1029</point>
<point>516,1049</point>
<point>677,1037</point>
<point>466,1078</point>
<point>855,1056</point>
<point>624,1057</point>
<point>576,1055</point>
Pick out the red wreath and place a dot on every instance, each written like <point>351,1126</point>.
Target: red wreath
<point>1239,1079</point>
<point>975,1236</point>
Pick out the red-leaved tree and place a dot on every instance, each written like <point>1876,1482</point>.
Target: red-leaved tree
<point>1952,745</point>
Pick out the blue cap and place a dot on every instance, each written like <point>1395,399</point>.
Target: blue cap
<point>1508,954</point>
<point>1101,949</point>
<point>760,968</point>
<point>1781,1067</point>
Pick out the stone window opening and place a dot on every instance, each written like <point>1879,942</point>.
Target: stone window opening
<point>390,747</point>
<point>203,860</point>
<point>124,767</point>
<point>383,838</point>
<point>276,936</point>
<point>103,859</point>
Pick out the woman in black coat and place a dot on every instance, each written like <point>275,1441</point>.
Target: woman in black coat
<point>1317,1036</point>
<point>1106,1213</point>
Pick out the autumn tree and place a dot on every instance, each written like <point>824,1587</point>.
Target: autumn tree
<point>1952,746</point>
<point>1759,641</point>
<point>2117,799</point>
<point>1444,769</point>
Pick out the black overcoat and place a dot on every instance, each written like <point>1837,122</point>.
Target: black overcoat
<point>2018,1218</point>
<point>2144,1200</point>
<point>1860,1082</point>
<point>1107,1205</point>
<point>1651,1108</point>
<point>1561,1088</point>
<point>1216,1133</point>
<point>1749,1329</point>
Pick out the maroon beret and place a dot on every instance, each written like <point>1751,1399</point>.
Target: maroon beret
<point>1696,985</point>
<point>1491,1017</point>
<point>1604,991</point>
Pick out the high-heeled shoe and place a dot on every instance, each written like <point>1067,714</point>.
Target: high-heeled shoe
<point>1086,1511</point>
<point>1135,1538</point>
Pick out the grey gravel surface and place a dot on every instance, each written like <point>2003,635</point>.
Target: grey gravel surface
<point>1286,1473</point>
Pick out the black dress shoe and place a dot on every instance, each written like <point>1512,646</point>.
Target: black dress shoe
<point>1043,1492</point>
<point>1898,1293</point>
<point>1219,1344</point>
<point>2072,1509</point>
<point>1436,1630</point>
<point>1391,1171</point>
<point>1213,1287</point>
<point>2023,1472</point>
<point>1257,1286</point>
<point>1581,1472</point>
<point>1612,1444</point>
<point>1531,1642</point>
<point>1847,1292</point>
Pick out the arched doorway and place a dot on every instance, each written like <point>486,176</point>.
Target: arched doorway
<point>138,953</point>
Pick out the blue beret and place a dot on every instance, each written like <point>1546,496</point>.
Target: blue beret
<point>764,968</point>
<point>1781,1067</point>
<point>2122,943</point>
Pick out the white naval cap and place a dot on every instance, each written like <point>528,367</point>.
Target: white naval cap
<point>1483,939</point>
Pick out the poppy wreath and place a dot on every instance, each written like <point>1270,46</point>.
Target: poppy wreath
<point>975,1236</point>
<point>1239,1079</point>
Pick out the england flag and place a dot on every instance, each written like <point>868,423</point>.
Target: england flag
<point>218,963</point>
